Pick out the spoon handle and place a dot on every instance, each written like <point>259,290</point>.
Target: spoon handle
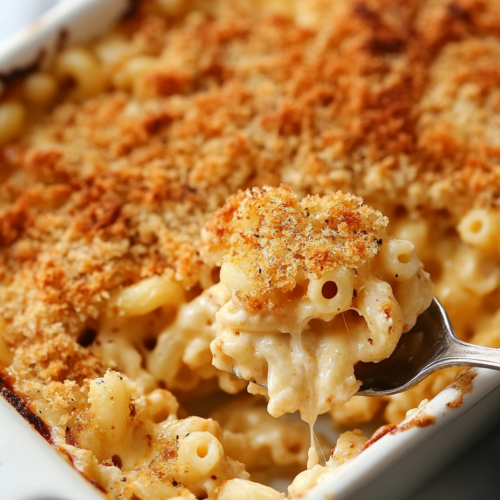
<point>459,353</point>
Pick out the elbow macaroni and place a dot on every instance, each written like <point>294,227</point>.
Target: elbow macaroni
<point>81,67</point>
<point>246,490</point>
<point>129,448</point>
<point>313,349</point>
<point>40,89</point>
<point>348,446</point>
<point>148,295</point>
<point>480,228</point>
<point>12,117</point>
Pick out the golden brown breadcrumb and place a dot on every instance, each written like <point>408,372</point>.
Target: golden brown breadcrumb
<point>271,236</point>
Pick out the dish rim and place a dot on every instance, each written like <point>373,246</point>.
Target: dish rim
<point>34,46</point>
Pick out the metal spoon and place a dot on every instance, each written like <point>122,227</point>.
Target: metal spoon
<point>429,346</point>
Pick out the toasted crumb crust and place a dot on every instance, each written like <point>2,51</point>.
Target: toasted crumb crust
<point>365,96</point>
<point>271,237</point>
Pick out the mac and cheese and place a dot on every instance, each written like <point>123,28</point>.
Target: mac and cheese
<point>116,154</point>
<point>312,288</point>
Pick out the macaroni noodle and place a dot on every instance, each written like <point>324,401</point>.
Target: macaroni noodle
<point>40,89</point>
<point>80,66</point>
<point>12,115</point>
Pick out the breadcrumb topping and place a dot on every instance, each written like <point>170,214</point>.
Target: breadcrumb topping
<point>272,236</point>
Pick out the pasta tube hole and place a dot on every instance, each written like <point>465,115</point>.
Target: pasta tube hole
<point>117,461</point>
<point>295,448</point>
<point>333,293</point>
<point>329,290</point>
<point>149,343</point>
<point>215,275</point>
<point>202,450</point>
<point>161,416</point>
<point>404,258</point>
<point>87,337</point>
<point>475,226</point>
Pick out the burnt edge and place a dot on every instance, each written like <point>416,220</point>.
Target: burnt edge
<point>420,420</point>
<point>22,407</point>
<point>17,74</point>
<point>379,434</point>
<point>22,72</point>
<point>463,384</point>
<point>37,423</point>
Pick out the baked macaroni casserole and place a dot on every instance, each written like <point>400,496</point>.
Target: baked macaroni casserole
<point>181,224</point>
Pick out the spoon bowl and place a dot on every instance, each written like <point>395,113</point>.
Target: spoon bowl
<point>429,346</point>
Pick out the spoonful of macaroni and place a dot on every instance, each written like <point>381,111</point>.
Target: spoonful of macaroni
<point>312,288</point>
<point>429,346</point>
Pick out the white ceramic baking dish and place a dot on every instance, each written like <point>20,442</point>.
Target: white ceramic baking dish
<point>391,467</point>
